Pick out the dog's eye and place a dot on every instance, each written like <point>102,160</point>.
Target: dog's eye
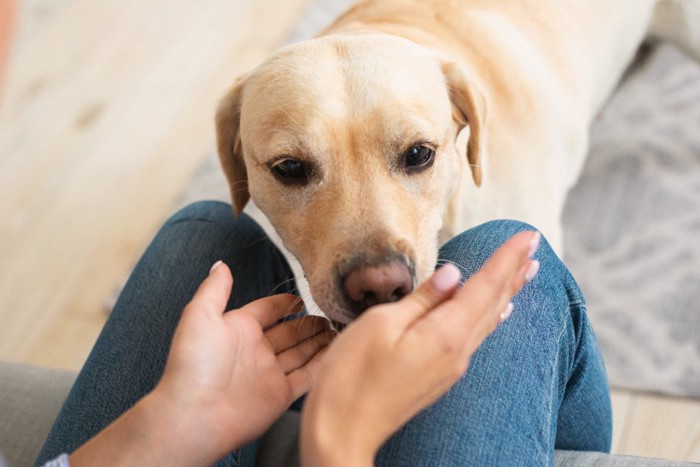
<point>291,171</point>
<point>419,157</point>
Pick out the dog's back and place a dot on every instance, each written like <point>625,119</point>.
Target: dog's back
<point>545,69</point>
<point>483,113</point>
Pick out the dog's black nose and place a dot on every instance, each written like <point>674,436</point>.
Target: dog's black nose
<point>366,286</point>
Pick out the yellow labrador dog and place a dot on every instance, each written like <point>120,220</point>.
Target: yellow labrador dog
<point>408,121</point>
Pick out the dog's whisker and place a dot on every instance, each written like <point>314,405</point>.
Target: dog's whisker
<point>294,305</point>
<point>256,241</point>
<point>282,284</point>
<point>240,190</point>
<point>262,239</point>
<point>462,269</point>
<point>313,309</point>
<point>239,185</point>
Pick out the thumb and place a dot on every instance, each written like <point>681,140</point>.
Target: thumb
<point>213,294</point>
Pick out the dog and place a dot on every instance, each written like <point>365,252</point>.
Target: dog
<point>406,122</point>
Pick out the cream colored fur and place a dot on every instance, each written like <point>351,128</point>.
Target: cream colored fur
<point>504,91</point>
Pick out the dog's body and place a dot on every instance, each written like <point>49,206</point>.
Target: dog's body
<point>407,119</point>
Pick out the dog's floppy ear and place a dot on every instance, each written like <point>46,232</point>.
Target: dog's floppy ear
<point>468,108</point>
<point>228,124</point>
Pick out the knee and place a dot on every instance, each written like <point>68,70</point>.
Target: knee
<point>476,245</point>
<point>216,219</point>
<point>501,230</point>
<point>554,282</point>
<point>212,211</point>
<point>472,248</point>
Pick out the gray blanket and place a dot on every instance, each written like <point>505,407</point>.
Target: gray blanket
<point>633,227</point>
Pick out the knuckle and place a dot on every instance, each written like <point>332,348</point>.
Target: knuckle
<point>421,299</point>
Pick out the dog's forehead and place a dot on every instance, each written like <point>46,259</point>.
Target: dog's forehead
<point>339,76</point>
<point>348,59</point>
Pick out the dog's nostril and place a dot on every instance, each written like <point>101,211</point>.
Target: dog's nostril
<point>366,286</point>
<point>398,294</point>
<point>369,299</point>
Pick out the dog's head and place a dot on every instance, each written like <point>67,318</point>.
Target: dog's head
<point>348,145</point>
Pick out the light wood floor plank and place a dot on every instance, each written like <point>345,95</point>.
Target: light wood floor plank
<point>107,114</point>
<point>621,407</point>
<point>664,427</point>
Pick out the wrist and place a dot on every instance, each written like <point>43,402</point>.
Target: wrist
<point>184,431</point>
<point>139,436</point>
<point>332,451</point>
<point>168,432</point>
<point>152,432</point>
<point>324,441</point>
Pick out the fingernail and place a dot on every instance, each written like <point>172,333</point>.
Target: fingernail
<point>534,244</point>
<point>507,312</point>
<point>216,265</point>
<point>446,278</point>
<point>532,270</point>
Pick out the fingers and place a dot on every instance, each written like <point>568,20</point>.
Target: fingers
<point>505,269</point>
<point>213,294</point>
<point>301,342</point>
<point>290,333</point>
<point>300,380</point>
<point>440,286</point>
<point>295,341</point>
<point>476,308</point>
<point>269,310</point>
<point>485,297</point>
<point>299,354</point>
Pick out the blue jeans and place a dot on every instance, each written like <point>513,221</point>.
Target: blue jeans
<point>536,384</point>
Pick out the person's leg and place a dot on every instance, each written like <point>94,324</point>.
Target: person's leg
<point>130,353</point>
<point>536,383</point>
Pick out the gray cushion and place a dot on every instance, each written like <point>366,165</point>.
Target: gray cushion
<point>279,448</point>
<point>30,398</point>
<point>597,459</point>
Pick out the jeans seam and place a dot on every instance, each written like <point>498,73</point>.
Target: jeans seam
<point>552,391</point>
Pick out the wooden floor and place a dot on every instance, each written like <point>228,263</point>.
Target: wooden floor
<point>105,114</point>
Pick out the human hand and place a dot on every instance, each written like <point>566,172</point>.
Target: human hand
<point>398,358</point>
<point>232,373</point>
<point>228,377</point>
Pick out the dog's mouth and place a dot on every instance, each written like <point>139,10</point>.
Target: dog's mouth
<point>337,326</point>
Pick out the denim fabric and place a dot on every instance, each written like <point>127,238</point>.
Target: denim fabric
<point>130,353</point>
<point>537,383</point>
